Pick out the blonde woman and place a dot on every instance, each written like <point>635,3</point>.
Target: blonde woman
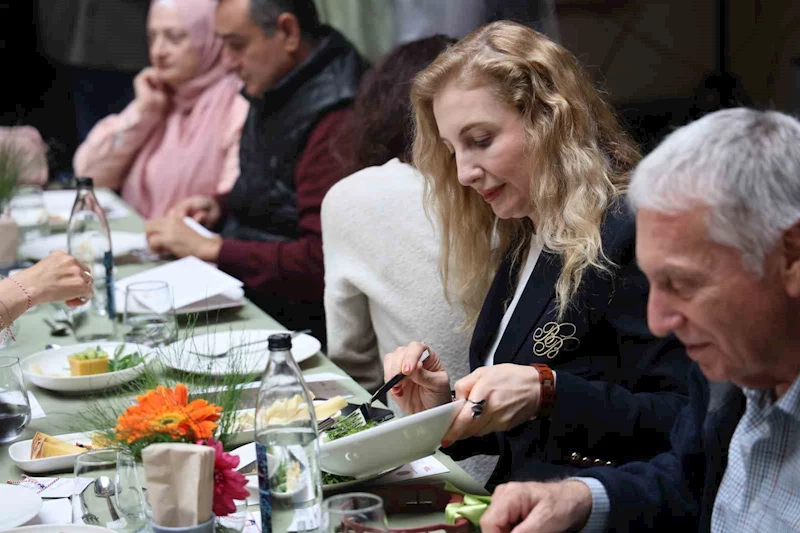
<point>526,169</point>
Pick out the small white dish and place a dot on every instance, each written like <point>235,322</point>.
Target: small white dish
<point>245,360</point>
<point>49,369</point>
<point>62,528</point>
<point>20,453</point>
<point>17,506</point>
<point>392,443</point>
<point>122,243</point>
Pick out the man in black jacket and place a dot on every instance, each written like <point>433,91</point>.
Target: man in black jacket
<point>718,236</point>
<point>300,78</point>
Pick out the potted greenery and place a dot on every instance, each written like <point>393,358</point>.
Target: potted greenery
<point>23,160</point>
<point>12,162</point>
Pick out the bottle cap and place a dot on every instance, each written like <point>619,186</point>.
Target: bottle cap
<point>84,183</point>
<point>280,341</point>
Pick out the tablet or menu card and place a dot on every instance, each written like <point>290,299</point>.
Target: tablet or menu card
<point>192,281</point>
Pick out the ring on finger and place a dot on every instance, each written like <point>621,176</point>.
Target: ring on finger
<point>477,407</point>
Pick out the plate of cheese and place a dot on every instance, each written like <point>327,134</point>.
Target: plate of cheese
<point>46,453</point>
<point>86,367</point>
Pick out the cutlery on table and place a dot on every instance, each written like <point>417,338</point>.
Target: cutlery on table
<point>363,413</point>
<point>242,345</point>
<point>104,488</point>
<point>56,330</point>
<point>87,517</point>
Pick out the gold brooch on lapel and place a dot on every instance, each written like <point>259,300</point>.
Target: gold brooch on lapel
<point>553,337</point>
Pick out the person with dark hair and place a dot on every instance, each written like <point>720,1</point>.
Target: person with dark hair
<point>381,280</point>
<point>300,78</point>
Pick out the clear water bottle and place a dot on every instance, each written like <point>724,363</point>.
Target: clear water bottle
<point>89,241</point>
<point>287,446</point>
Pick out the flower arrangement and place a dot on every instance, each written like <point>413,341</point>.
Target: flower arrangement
<point>165,414</point>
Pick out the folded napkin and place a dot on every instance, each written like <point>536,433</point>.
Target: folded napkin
<point>180,483</point>
<point>472,507</point>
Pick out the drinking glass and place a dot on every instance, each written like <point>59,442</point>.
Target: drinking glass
<point>235,521</point>
<point>114,496</point>
<point>5,337</point>
<point>149,314</point>
<point>355,512</point>
<point>15,410</point>
<point>28,210</point>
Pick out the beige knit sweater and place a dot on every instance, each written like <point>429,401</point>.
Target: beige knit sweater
<point>382,284</point>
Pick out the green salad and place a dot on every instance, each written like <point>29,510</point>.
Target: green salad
<point>348,426</point>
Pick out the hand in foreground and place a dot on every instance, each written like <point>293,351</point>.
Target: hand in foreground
<point>204,209</point>
<point>168,235</point>
<point>57,278</point>
<point>151,96</point>
<point>538,507</point>
<point>426,384</point>
<point>511,394</point>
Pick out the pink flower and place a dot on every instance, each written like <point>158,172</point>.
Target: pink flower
<point>229,484</point>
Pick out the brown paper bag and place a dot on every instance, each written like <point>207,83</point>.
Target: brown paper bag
<point>180,483</point>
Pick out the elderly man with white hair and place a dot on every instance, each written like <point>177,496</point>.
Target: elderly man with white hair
<point>718,236</point>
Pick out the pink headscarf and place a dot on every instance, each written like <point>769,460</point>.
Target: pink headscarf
<point>183,156</point>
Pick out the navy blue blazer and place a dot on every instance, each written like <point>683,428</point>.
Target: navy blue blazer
<point>677,489</point>
<point>618,388</point>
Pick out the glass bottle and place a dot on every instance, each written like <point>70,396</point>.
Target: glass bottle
<point>287,445</point>
<point>89,241</point>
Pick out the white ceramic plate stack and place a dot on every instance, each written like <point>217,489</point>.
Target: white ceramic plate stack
<point>49,369</point>
<point>182,355</point>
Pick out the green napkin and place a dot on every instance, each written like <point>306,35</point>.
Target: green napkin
<point>472,508</point>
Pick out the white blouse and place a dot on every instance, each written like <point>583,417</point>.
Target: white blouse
<point>534,252</point>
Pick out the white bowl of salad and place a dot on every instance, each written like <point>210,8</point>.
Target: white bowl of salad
<point>361,453</point>
<point>86,367</point>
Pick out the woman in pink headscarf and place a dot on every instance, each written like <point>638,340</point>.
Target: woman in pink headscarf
<point>180,135</point>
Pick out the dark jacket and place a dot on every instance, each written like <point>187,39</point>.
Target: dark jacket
<point>676,490</point>
<point>262,206</point>
<point>618,388</point>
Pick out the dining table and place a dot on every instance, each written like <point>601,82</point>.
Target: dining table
<point>60,408</point>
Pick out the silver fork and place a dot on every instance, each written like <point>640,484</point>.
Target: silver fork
<point>236,346</point>
<point>88,518</point>
<point>362,412</point>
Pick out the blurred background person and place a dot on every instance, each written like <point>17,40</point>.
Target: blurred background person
<point>300,77</point>
<point>180,135</point>
<point>104,45</point>
<point>382,283</point>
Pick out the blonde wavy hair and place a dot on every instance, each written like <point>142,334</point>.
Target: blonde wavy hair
<point>579,160</point>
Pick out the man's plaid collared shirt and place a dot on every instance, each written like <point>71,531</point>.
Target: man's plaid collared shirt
<point>760,490</point>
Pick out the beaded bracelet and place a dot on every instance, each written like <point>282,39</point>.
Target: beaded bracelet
<point>30,300</point>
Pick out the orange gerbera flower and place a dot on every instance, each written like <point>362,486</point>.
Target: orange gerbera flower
<point>167,411</point>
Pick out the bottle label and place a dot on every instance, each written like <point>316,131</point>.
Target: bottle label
<point>108,262</point>
<point>263,488</point>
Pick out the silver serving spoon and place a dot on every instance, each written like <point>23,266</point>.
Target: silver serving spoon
<point>104,488</point>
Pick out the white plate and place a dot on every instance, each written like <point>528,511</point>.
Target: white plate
<point>20,453</point>
<point>246,360</point>
<point>55,368</point>
<point>393,443</point>
<point>65,528</point>
<point>59,205</point>
<point>17,505</point>
<point>122,243</point>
